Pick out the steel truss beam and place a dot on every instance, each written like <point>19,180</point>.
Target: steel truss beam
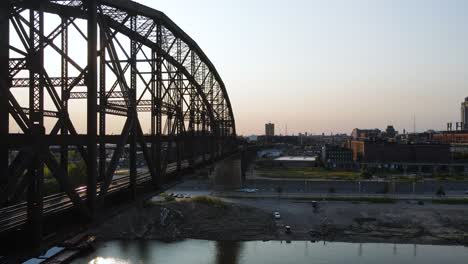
<point>138,61</point>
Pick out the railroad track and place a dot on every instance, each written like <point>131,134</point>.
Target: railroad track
<point>15,216</point>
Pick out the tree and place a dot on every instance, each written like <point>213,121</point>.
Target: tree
<point>366,173</point>
<point>440,192</point>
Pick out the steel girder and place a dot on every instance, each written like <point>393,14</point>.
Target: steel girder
<point>138,61</point>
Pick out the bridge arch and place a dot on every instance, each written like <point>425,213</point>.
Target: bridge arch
<point>139,62</point>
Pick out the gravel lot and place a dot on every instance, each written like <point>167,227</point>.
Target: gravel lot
<point>252,219</point>
<point>400,222</point>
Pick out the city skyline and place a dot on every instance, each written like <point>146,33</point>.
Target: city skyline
<point>233,126</point>
<point>331,66</point>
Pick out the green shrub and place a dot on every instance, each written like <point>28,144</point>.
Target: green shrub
<point>77,173</point>
<point>149,203</point>
<point>440,191</point>
<point>169,198</point>
<point>209,201</point>
<point>366,175</point>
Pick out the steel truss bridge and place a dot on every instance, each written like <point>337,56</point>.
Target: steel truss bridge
<point>101,64</point>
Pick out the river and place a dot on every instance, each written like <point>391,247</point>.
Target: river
<point>272,252</point>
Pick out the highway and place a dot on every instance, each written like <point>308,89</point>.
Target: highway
<point>427,187</point>
<point>292,188</point>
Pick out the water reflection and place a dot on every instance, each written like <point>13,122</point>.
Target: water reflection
<point>100,260</point>
<point>228,252</point>
<point>272,252</point>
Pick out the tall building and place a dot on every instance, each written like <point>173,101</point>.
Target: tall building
<point>464,113</point>
<point>269,129</point>
<point>390,132</point>
<point>365,133</point>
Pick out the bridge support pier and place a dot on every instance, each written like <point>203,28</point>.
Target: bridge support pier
<point>228,173</point>
<point>91,82</point>
<point>405,169</point>
<point>451,169</point>
<point>4,90</point>
<point>132,111</point>
<point>435,169</point>
<point>133,145</point>
<point>156,114</point>
<point>102,101</point>
<point>35,188</point>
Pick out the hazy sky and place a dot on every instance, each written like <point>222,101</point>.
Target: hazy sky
<point>332,65</point>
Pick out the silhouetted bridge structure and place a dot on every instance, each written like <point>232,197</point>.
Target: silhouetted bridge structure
<point>101,65</point>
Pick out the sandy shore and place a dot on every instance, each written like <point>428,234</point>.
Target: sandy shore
<point>251,219</point>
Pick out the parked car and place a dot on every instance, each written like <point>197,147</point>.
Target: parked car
<point>247,190</point>
<point>277,215</point>
<point>314,204</point>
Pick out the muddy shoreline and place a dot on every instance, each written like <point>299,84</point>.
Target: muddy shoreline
<point>246,220</point>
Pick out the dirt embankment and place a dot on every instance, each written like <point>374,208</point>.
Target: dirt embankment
<point>178,220</point>
<point>252,220</point>
<point>400,224</point>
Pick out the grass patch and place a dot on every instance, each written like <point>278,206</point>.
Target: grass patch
<point>149,203</point>
<point>307,173</point>
<point>209,201</point>
<point>167,197</point>
<point>377,200</point>
<point>441,177</point>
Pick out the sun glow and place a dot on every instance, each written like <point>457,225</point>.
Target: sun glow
<point>101,260</point>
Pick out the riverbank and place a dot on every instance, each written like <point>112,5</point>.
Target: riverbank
<point>177,220</point>
<point>251,219</point>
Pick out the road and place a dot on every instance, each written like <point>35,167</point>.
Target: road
<point>296,189</point>
<point>364,187</point>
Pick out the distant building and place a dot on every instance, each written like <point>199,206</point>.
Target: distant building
<point>365,133</point>
<point>337,157</point>
<point>390,132</point>
<point>269,129</point>
<point>464,114</point>
<point>372,152</point>
<point>449,137</point>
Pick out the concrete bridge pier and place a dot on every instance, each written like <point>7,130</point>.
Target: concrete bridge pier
<point>420,169</point>
<point>451,170</point>
<point>227,173</point>
<point>405,169</point>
